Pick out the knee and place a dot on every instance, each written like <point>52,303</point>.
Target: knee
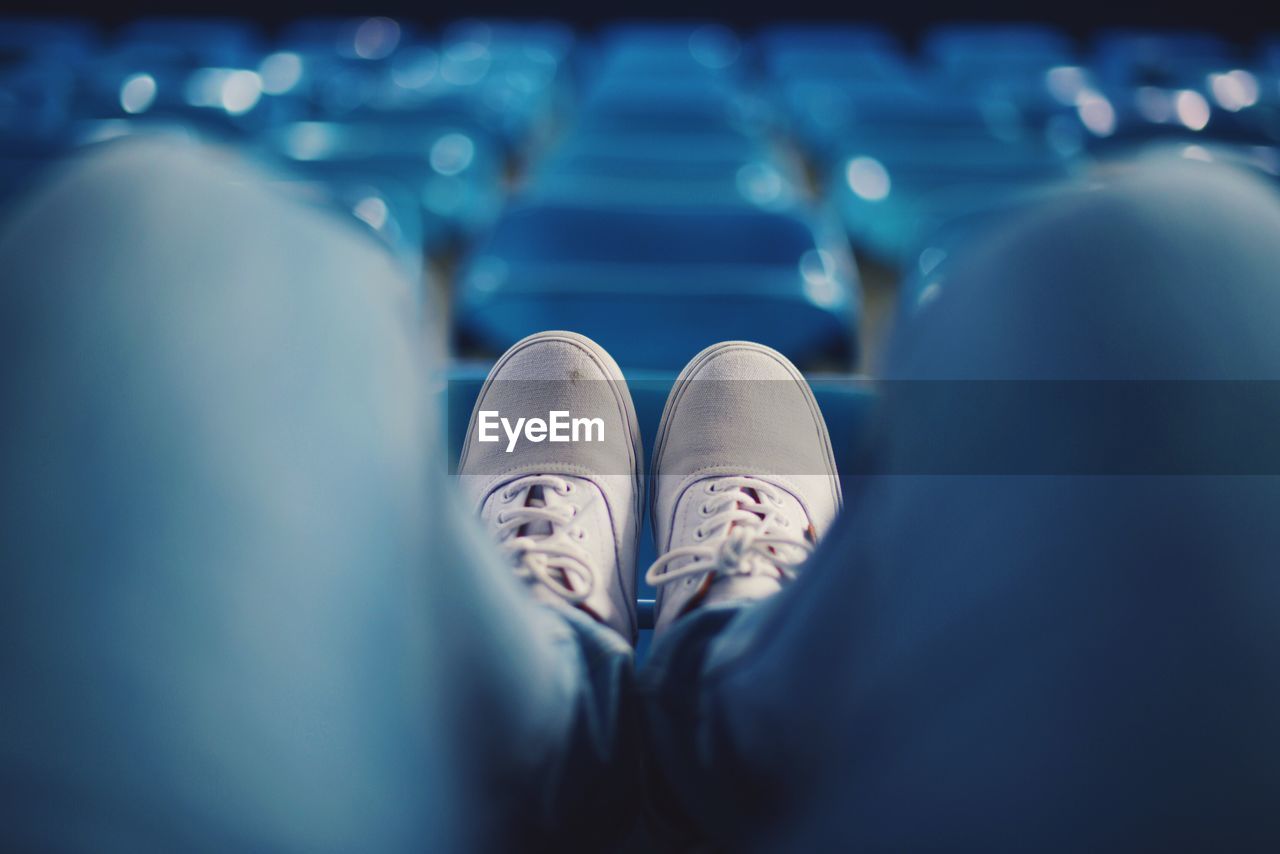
<point>1158,271</point>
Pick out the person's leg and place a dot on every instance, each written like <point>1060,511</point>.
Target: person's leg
<point>238,608</point>
<point>744,486</point>
<point>564,508</point>
<point>1050,620</point>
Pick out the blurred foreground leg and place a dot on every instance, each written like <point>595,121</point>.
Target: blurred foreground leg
<point>237,608</point>
<point>994,654</point>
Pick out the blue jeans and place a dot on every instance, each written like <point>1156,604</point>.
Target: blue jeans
<point>1068,653</point>
<point>240,606</point>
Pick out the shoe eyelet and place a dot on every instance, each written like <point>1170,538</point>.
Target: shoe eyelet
<point>705,509</point>
<point>501,518</point>
<point>573,512</point>
<point>568,487</point>
<point>711,487</point>
<point>698,533</point>
<point>579,534</point>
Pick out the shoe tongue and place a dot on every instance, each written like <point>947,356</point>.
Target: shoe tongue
<point>749,500</point>
<point>788,508</point>
<point>541,496</point>
<point>536,497</point>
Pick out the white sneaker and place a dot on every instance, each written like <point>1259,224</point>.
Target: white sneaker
<point>744,480</point>
<point>567,514</point>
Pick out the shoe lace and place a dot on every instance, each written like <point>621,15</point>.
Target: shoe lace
<point>741,533</point>
<point>540,540</point>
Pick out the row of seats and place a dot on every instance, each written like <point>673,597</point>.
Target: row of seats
<point>656,186</point>
<point>664,207</point>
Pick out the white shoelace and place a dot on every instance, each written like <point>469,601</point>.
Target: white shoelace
<point>542,541</point>
<point>741,540</point>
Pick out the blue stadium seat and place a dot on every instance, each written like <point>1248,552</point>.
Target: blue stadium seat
<point>969,52</point>
<point>1269,55</point>
<point>35,104</point>
<point>797,40</point>
<point>651,283</point>
<point>509,90</point>
<point>1169,58</point>
<point>510,37</point>
<point>198,70</point>
<point>194,42</point>
<point>715,170</point>
<point>655,169</point>
<point>452,172</point>
<point>892,196</point>
<point>1180,85</point>
<point>515,107</point>
<point>66,41</point>
<point>632,106</point>
<point>1226,105</point>
<point>658,51</point>
<point>361,39</point>
<point>143,85</point>
<point>335,66</point>
<point>829,120</point>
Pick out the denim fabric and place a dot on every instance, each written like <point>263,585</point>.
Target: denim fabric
<point>214,620</point>
<point>1027,661</point>
<point>590,791</point>
<point>692,783</point>
<point>240,608</point>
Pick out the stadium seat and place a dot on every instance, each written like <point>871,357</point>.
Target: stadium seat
<point>453,173</point>
<point>647,174</point>
<point>788,49</point>
<point>664,51</point>
<point>715,170</point>
<point>696,274</point>
<point>978,52</point>
<point>198,42</point>
<point>891,193</point>
<point>1171,58</point>
<point>361,39</point>
<point>65,41</point>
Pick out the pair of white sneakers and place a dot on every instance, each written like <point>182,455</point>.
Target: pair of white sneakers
<point>744,479</point>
